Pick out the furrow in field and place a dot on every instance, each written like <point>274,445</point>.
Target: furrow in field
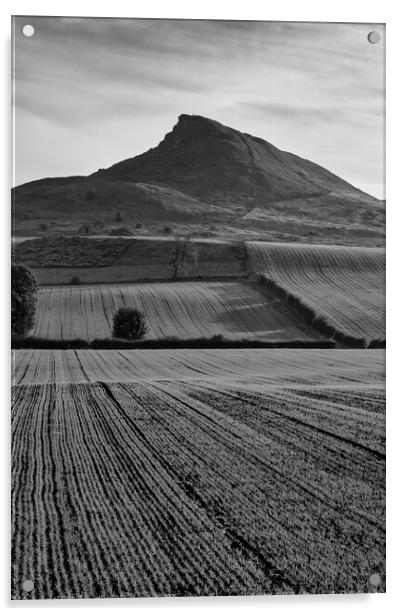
<point>344,284</point>
<point>116,522</point>
<point>182,309</point>
<point>272,414</point>
<point>226,465</point>
<point>319,487</point>
<point>253,367</point>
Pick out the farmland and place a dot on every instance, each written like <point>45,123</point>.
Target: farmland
<point>343,284</point>
<point>215,293</point>
<point>148,473</point>
<point>139,473</point>
<point>181,309</point>
<point>333,367</point>
<point>108,260</point>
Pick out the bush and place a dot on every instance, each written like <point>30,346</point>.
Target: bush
<point>119,231</point>
<point>377,343</point>
<point>167,230</point>
<point>139,225</point>
<point>43,226</point>
<point>75,280</point>
<point>32,342</point>
<point>118,217</point>
<point>24,290</point>
<point>20,342</point>
<point>129,324</point>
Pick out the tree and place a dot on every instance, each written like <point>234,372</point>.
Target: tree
<point>129,323</point>
<point>181,251</point>
<point>118,217</point>
<point>24,290</point>
<point>239,251</point>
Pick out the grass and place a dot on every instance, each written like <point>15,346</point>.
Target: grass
<point>57,260</point>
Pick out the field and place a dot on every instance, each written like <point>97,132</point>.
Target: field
<point>343,284</point>
<point>107,260</point>
<point>200,472</point>
<point>213,295</point>
<point>181,309</point>
<point>147,473</point>
<point>333,367</point>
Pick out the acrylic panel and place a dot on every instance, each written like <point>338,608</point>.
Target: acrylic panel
<point>198,308</point>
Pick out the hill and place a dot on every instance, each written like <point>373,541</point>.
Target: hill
<point>206,174</point>
<point>213,162</point>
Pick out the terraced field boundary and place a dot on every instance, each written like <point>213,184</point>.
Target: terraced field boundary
<point>319,323</point>
<point>339,291</point>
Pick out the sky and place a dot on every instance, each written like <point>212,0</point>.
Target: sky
<point>91,92</point>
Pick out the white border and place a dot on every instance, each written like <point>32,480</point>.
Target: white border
<point>367,11</point>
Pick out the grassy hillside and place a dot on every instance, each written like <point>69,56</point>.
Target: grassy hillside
<point>209,178</point>
<point>344,285</point>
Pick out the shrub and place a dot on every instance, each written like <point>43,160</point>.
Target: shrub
<point>75,280</point>
<point>119,231</point>
<point>139,225</point>
<point>129,324</point>
<point>167,230</point>
<point>20,342</point>
<point>24,290</point>
<point>43,226</point>
<point>118,217</point>
<point>32,342</point>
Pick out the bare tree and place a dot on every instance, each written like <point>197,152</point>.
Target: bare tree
<point>181,252</point>
<point>239,251</point>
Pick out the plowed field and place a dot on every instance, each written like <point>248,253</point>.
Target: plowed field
<point>181,309</point>
<point>344,284</point>
<point>197,472</point>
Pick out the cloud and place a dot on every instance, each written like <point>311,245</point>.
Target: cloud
<point>311,88</point>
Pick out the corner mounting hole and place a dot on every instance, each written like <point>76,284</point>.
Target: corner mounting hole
<point>28,30</point>
<point>375,579</point>
<point>374,37</point>
<point>28,585</point>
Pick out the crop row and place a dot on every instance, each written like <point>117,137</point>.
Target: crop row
<point>181,309</point>
<point>146,489</point>
<point>257,367</point>
<point>344,285</point>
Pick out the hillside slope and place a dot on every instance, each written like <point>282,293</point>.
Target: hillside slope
<point>180,309</point>
<point>206,175</point>
<point>344,285</point>
<point>213,162</point>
